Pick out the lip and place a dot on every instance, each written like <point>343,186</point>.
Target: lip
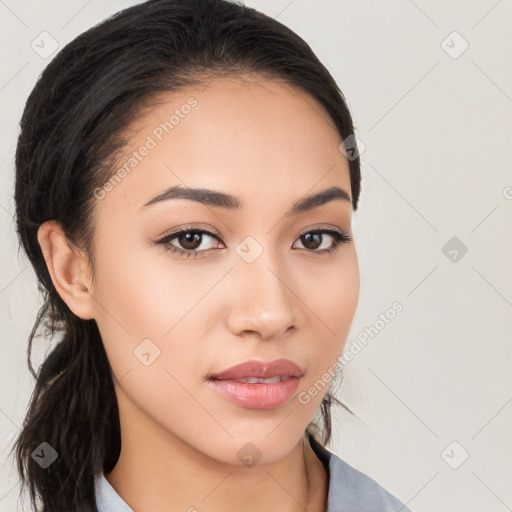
<point>263,369</point>
<point>258,395</point>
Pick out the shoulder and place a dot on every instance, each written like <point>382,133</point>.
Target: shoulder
<point>351,489</point>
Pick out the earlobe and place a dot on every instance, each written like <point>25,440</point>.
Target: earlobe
<point>68,268</point>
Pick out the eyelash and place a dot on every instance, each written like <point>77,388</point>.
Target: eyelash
<point>340,237</point>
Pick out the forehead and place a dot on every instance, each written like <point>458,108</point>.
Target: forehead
<point>263,141</point>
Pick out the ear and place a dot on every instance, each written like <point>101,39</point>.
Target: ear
<point>68,268</point>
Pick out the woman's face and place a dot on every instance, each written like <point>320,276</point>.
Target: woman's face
<point>255,289</point>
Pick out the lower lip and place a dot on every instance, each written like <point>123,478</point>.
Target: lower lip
<point>257,396</point>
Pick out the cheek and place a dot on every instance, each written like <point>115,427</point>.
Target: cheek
<point>331,293</point>
<point>340,302</point>
<point>149,306</point>
<point>142,292</point>
<point>146,320</point>
<point>332,304</point>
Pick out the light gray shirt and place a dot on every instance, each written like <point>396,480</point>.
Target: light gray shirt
<point>350,490</point>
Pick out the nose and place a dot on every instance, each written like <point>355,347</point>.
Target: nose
<point>263,300</point>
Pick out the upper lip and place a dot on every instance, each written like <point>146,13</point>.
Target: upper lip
<point>262,369</point>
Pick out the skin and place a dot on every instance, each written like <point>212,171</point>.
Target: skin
<point>270,145</point>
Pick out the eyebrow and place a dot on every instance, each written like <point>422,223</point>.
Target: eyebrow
<point>227,201</point>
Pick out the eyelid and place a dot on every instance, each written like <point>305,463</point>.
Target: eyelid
<point>323,227</point>
<point>175,231</point>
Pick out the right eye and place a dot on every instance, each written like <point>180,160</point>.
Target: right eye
<point>189,239</point>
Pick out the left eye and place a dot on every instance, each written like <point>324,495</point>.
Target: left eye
<point>315,239</point>
<point>191,239</point>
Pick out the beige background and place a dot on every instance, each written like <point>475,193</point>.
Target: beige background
<point>437,165</point>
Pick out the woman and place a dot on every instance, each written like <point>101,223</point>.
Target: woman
<point>184,191</point>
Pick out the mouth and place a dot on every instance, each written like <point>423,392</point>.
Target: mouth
<point>258,384</point>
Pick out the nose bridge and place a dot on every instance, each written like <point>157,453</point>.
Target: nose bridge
<point>262,300</point>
